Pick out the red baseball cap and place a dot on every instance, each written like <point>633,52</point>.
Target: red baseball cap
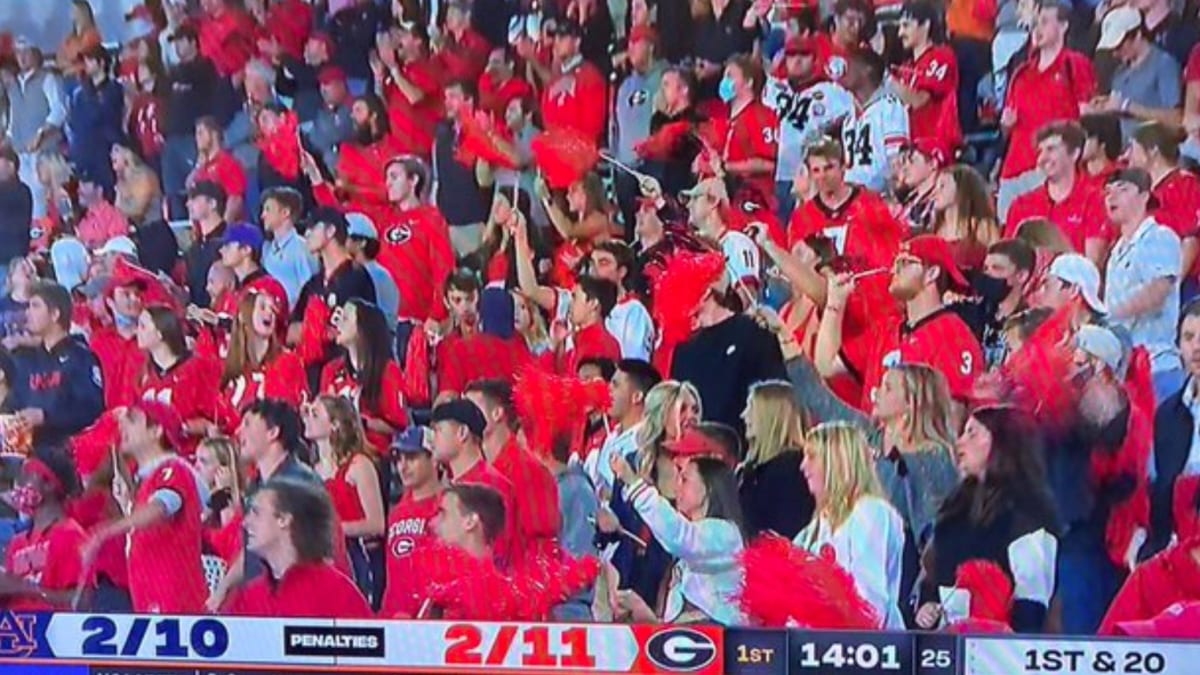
<point>933,250</point>
<point>800,44</point>
<point>694,443</point>
<point>643,32</point>
<point>1180,620</point>
<point>931,149</point>
<point>163,416</point>
<point>331,74</point>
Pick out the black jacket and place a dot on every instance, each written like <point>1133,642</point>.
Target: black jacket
<point>1173,433</point>
<point>65,383</point>
<point>198,259</point>
<point>775,496</point>
<point>16,213</point>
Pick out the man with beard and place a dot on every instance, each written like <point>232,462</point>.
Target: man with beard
<point>362,160</point>
<point>806,107</point>
<point>410,83</point>
<point>929,333</point>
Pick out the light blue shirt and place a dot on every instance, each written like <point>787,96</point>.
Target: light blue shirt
<point>387,296</point>
<point>287,259</point>
<point>1152,252</point>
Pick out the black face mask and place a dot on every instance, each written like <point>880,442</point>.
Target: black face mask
<point>991,289</point>
<point>363,134</point>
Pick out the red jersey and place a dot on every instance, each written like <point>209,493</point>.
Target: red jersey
<point>941,340</point>
<point>462,360</point>
<point>338,378</point>
<point>462,57</point>
<point>935,73</point>
<point>289,22</point>
<point>414,247</point>
<point>482,473</point>
<point>192,386</point>
<point>1178,195</point>
<point>1039,97</point>
<point>360,171</point>
<point>593,342</point>
<point>752,134</point>
<point>93,508</point>
<point>862,228</point>
<point>413,124</point>
<point>1191,71</point>
<point>494,98</point>
<point>1080,216</point>
<point>225,540</point>
<point>121,365</point>
<point>1169,577</point>
<point>538,516</point>
<point>165,557</point>
<point>575,99</point>
<point>310,590</point>
<point>410,528</point>
<point>225,171</point>
<point>282,377</point>
<point>50,559</point>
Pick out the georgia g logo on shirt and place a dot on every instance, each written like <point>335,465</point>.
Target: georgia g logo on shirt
<point>400,234</point>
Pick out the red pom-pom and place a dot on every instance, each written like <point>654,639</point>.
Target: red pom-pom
<point>92,445</point>
<point>784,585</point>
<point>564,156</point>
<point>154,290</point>
<point>477,142</point>
<point>684,282</point>
<point>281,147</point>
<point>550,405</point>
<point>990,588</point>
<point>663,143</point>
<point>1037,371</point>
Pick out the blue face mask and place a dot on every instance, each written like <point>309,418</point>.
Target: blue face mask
<point>726,90</point>
<point>123,321</point>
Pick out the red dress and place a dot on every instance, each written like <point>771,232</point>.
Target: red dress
<point>345,496</point>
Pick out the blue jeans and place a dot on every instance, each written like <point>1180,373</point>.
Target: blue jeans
<point>367,561</point>
<point>1087,581</point>
<point>787,200</point>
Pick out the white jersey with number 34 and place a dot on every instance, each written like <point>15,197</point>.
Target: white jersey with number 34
<point>872,137</point>
<point>803,118</point>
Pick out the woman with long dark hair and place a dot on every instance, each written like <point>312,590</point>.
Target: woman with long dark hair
<point>702,530</point>
<point>366,373</point>
<point>347,464</point>
<point>258,364</point>
<point>1002,512</point>
<point>191,383</point>
<point>964,214</point>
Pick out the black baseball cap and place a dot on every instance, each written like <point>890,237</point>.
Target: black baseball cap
<point>412,440</point>
<point>463,412</point>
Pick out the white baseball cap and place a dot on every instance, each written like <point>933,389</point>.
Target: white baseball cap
<point>1101,343</point>
<point>1081,272</point>
<point>118,244</point>
<point>1117,24</point>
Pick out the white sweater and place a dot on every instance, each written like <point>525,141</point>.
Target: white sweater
<point>708,572</point>
<point>870,546</point>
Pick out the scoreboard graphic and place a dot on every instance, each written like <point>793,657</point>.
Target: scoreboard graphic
<point>98,644</point>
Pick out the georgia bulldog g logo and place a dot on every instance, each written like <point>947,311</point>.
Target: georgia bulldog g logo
<point>400,234</point>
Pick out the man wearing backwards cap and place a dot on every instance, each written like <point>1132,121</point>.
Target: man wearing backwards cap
<point>1142,279</point>
<point>1066,198</point>
<point>164,523</point>
<point>916,178</point>
<point>458,428</point>
<point>806,107</point>
<point>410,523</point>
<point>931,333</point>
<point>43,565</point>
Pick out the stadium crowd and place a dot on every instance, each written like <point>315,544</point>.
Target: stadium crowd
<point>658,310</point>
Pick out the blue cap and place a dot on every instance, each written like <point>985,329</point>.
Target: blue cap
<point>244,234</point>
<point>412,440</point>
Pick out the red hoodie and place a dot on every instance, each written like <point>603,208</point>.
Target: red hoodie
<point>1169,577</point>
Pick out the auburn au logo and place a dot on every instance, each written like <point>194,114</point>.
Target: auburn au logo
<point>17,636</point>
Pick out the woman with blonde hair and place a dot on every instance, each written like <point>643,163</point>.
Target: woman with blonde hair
<point>853,517</point>
<point>773,494</point>
<point>964,214</point>
<point>347,464</point>
<point>57,181</point>
<point>530,325</point>
<point>217,463</point>
<point>138,194</point>
<point>671,407</point>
